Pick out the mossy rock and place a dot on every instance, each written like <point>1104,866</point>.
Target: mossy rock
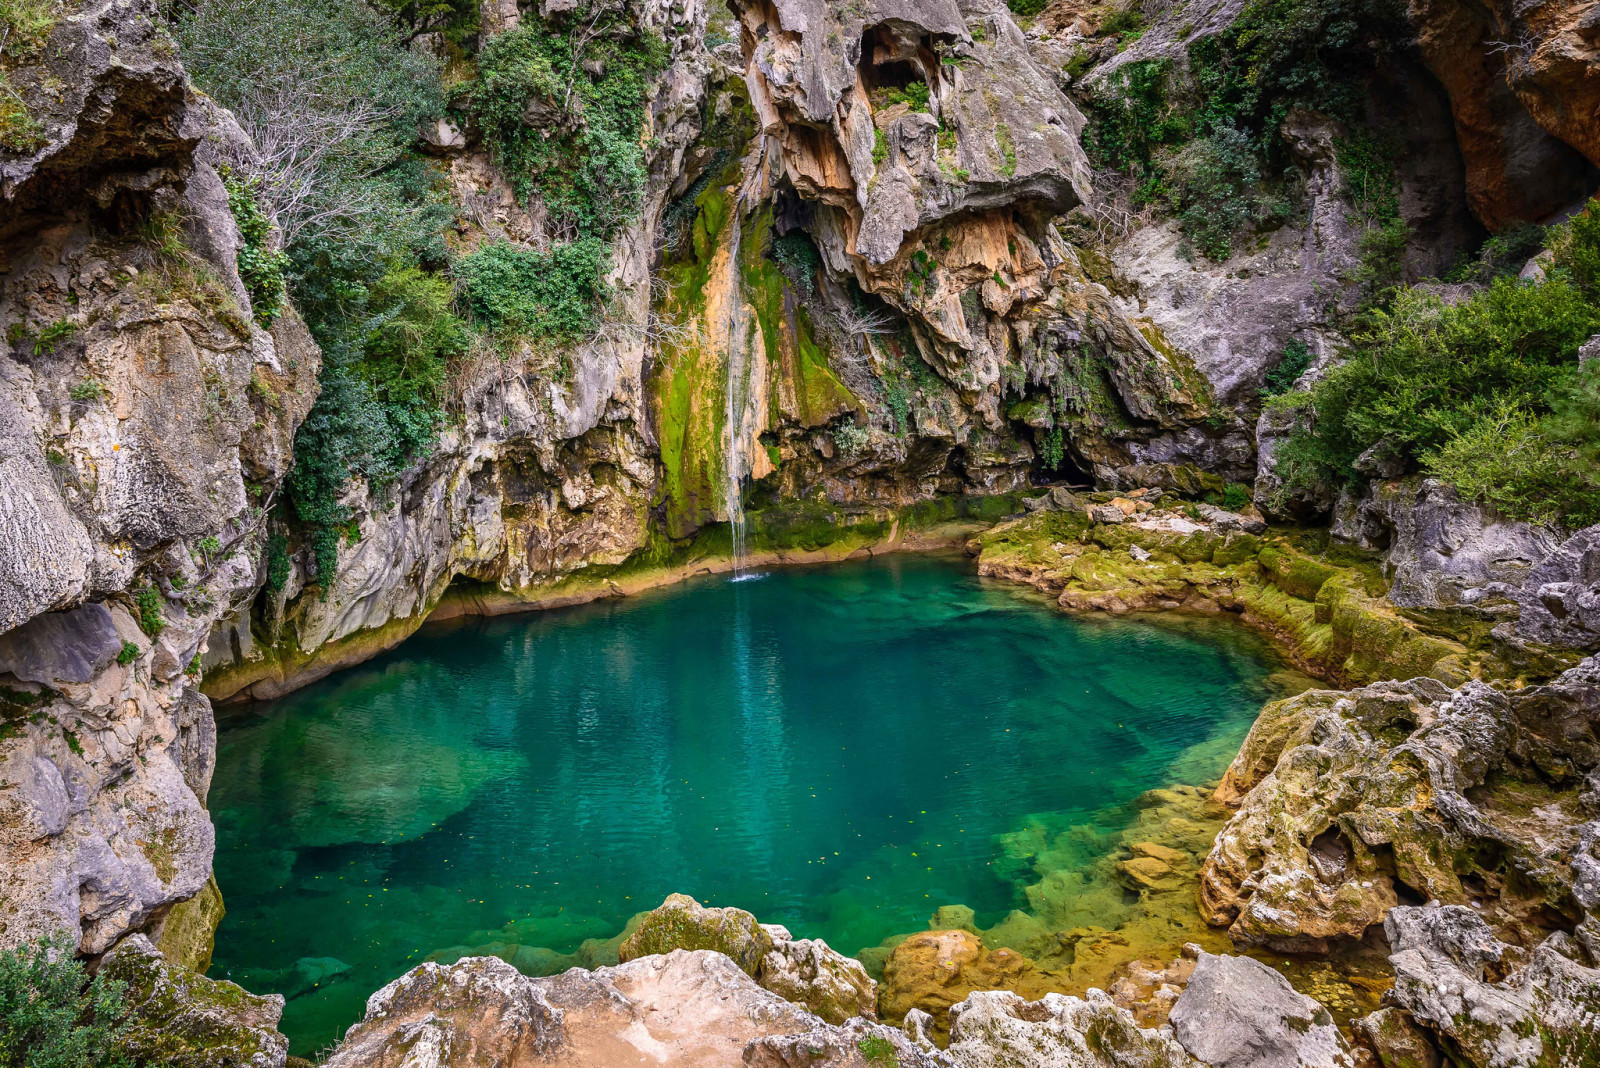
<point>681,922</point>
<point>188,933</point>
<point>182,1020</point>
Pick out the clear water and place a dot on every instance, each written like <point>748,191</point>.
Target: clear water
<point>834,748</point>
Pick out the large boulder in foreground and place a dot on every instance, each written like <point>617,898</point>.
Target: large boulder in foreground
<point>687,1009</point>
<point>804,971</point>
<point>1238,1013</point>
<point>181,1020</point>
<point>1352,800</point>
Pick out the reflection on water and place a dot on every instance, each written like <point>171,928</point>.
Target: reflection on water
<point>840,749</point>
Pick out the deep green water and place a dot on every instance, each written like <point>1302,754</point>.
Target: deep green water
<point>834,748</point>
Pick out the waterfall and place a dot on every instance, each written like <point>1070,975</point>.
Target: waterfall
<point>735,461</point>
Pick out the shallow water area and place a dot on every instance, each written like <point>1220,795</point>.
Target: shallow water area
<point>840,749</point>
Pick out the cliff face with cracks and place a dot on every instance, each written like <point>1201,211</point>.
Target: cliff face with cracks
<point>856,282</point>
<point>146,420</point>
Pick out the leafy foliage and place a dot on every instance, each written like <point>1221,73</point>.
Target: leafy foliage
<point>1486,393</point>
<point>52,1015</point>
<point>1205,139</point>
<point>536,294</point>
<point>261,266</point>
<point>149,602</point>
<point>560,132</point>
<point>1297,356</point>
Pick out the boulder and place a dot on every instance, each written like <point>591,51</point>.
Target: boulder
<point>691,1008</point>
<point>830,984</point>
<point>1541,1014</point>
<point>932,970</point>
<point>1396,1040</point>
<point>999,1029</point>
<point>1465,795</point>
<point>57,648</point>
<point>181,1020</point>
<point>1238,1013</point>
<point>681,922</point>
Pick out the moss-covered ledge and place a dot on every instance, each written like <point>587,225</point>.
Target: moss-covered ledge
<point>1320,602</point>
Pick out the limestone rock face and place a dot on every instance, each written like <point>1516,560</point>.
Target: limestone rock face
<point>183,1020</point>
<point>858,1043</point>
<point>685,1008</point>
<point>146,420</point>
<point>1527,583</point>
<point>827,982</point>
<point>999,1029</point>
<point>1238,1013</point>
<point>1541,1014</point>
<point>1465,795</point>
<point>683,923</point>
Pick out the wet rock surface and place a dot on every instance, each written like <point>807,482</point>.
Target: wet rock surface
<point>1466,796</point>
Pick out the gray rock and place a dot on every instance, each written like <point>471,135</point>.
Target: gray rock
<point>1394,1037</point>
<point>61,647</point>
<point>808,973</point>
<point>1589,350</point>
<point>1238,1013</point>
<point>1560,598</point>
<point>998,1029</point>
<point>858,1043</point>
<point>1540,1015</point>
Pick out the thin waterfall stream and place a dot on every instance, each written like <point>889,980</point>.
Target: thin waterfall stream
<point>736,461</point>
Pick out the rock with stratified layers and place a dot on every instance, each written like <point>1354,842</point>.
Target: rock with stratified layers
<point>1466,795</point>
<point>827,982</point>
<point>1238,1013</point>
<point>1543,1013</point>
<point>999,1029</point>
<point>681,922</point>
<point>181,1020</point>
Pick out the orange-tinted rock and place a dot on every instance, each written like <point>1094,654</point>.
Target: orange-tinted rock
<point>935,969</point>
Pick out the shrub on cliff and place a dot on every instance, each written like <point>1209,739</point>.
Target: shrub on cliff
<point>51,1014</point>
<point>1486,393</point>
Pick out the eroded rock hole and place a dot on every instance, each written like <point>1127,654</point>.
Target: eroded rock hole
<point>894,55</point>
<point>1331,853</point>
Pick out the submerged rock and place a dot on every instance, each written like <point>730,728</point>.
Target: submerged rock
<point>934,970</point>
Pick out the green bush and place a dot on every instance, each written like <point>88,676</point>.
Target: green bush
<point>588,171</point>
<point>52,1015</point>
<point>52,336</point>
<point>1297,356</point>
<point>1486,394</point>
<point>798,259</point>
<point>278,563</point>
<point>1204,135</point>
<point>536,294</point>
<point>129,653</point>
<point>149,602</point>
<point>261,266</point>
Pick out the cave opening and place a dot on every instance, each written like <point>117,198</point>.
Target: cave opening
<point>1054,464</point>
<point>893,57</point>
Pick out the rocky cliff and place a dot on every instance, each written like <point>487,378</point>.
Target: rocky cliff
<point>889,255</point>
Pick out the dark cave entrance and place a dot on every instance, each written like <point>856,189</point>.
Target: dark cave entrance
<point>1053,462</point>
